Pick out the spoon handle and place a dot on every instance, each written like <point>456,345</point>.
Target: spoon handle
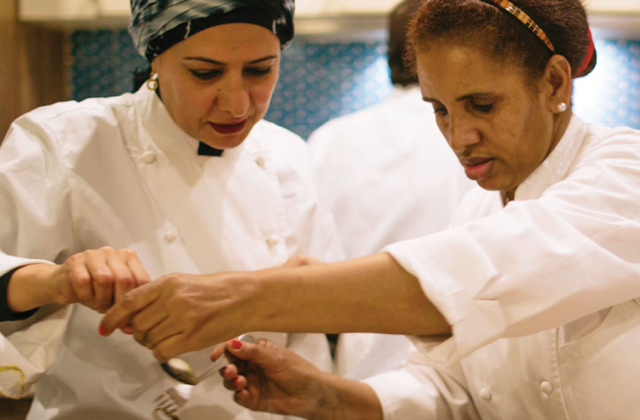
<point>223,361</point>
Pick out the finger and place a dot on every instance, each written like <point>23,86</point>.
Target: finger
<point>139,272</point>
<point>301,261</point>
<point>230,372</point>
<point>243,398</point>
<point>166,328</point>
<point>239,383</point>
<point>250,352</point>
<point>80,281</point>
<point>123,278</point>
<point>102,280</point>
<point>217,352</point>
<point>228,385</point>
<point>133,302</point>
<point>170,348</point>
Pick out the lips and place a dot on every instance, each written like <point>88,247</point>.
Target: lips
<point>229,128</point>
<point>478,169</point>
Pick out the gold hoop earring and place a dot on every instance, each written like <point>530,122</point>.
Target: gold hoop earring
<point>152,83</point>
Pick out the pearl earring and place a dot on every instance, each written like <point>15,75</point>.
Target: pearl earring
<point>152,83</point>
<point>562,107</point>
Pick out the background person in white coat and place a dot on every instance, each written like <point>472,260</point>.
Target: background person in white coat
<point>528,308</point>
<point>100,197</point>
<point>388,175</point>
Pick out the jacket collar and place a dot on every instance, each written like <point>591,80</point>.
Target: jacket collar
<point>557,165</point>
<point>165,133</point>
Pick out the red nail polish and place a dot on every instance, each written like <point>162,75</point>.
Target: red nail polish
<point>236,344</point>
<point>102,330</point>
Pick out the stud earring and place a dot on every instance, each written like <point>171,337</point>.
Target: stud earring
<point>152,83</point>
<point>562,107</point>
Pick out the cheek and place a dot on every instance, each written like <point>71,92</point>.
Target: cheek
<point>261,94</point>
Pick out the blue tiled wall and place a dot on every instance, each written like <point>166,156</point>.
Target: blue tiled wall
<point>322,81</point>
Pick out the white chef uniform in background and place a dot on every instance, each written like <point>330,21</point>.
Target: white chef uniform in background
<point>120,172</point>
<point>539,295</point>
<point>388,175</point>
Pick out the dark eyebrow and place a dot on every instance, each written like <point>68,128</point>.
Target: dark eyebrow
<point>475,95</point>
<point>218,63</point>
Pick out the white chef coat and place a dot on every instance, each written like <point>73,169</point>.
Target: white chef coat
<point>120,172</point>
<point>540,294</point>
<point>388,175</point>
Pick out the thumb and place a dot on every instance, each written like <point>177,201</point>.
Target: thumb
<point>250,352</point>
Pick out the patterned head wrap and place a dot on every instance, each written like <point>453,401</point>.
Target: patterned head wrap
<point>157,25</point>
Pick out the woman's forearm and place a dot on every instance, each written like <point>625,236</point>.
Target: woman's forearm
<point>372,294</point>
<point>30,287</point>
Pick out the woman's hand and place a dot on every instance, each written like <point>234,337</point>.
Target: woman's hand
<point>180,313</point>
<point>270,378</point>
<point>267,377</point>
<point>94,278</point>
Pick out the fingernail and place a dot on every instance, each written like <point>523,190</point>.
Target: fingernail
<point>236,344</point>
<point>103,331</point>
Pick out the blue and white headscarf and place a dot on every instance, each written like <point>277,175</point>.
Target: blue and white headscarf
<point>157,25</point>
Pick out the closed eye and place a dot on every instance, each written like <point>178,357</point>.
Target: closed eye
<point>485,109</point>
<point>206,75</point>
<point>258,72</point>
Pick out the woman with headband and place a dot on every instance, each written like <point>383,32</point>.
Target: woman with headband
<point>100,197</point>
<point>527,308</point>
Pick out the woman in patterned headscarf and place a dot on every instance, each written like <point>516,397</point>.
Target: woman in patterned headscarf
<point>102,196</point>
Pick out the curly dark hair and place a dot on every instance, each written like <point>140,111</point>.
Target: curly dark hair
<point>487,26</point>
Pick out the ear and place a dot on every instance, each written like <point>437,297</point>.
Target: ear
<point>557,83</point>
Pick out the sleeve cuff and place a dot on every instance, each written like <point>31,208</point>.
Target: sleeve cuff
<point>6,314</point>
<point>403,397</point>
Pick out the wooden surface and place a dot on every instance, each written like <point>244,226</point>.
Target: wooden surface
<point>32,66</point>
<point>14,410</point>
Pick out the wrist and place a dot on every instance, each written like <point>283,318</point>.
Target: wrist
<point>263,293</point>
<point>248,300</point>
<point>345,399</point>
<point>326,404</point>
<point>30,288</point>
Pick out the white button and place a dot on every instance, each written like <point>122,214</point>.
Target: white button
<point>261,162</point>
<point>273,240</point>
<point>148,157</point>
<point>170,237</point>
<point>546,387</point>
<point>485,394</point>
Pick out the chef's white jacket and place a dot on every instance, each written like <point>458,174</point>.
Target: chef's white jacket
<point>388,175</point>
<point>120,172</point>
<point>541,295</point>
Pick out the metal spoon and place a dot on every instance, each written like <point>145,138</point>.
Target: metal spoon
<point>181,371</point>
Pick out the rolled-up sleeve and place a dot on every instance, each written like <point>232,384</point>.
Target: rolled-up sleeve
<point>537,264</point>
<point>421,392</point>
<point>36,227</point>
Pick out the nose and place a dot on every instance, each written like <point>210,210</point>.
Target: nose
<point>462,134</point>
<point>233,97</point>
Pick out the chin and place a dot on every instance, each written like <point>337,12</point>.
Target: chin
<point>228,141</point>
<point>493,183</point>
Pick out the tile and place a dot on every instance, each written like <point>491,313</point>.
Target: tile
<point>321,81</point>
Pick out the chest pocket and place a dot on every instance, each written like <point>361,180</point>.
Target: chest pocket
<point>621,320</point>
